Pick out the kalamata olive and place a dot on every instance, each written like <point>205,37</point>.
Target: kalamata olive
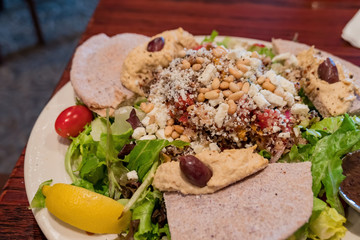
<point>195,171</point>
<point>328,72</point>
<point>156,44</point>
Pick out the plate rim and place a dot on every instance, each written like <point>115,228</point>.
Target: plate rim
<point>68,90</point>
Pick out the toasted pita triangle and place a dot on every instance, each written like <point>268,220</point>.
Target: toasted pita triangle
<point>96,67</point>
<point>271,204</point>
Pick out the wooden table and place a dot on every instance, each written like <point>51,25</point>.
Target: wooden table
<point>319,23</point>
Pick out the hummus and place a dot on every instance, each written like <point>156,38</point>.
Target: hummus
<point>330,99</point>
<point>140,65</point>
<point>228,167</point>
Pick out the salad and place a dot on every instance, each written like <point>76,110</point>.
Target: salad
<point>210,97</point>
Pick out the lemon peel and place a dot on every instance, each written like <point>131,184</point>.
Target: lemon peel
<point>85,209</point>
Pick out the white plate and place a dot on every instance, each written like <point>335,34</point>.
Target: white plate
<point>44,160</point>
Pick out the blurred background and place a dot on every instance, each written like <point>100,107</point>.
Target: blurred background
<point>32,59</point>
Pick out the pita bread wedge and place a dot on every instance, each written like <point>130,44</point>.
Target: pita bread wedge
<point>271,204</point>
<point>283,46</point>
<point>96,67</point>
<point>227,167</point>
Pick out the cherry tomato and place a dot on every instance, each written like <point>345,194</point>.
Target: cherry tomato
<point>72,121</point>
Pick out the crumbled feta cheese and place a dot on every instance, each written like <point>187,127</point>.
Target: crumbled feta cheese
<point>273,98</point>
<point>284,135</point>
<point>132,175</point>
<point>208,74</point>
<point>289,98</point>
<point>160,134</point>
<point>253,90</point>
<point>286,84</point>
<point>148,137</point>
<point>260,101</point>
<point>255,63</point>
<point>296,131</point>
<point>138,133</point>
<point>197,147</point>
<point>272,76</point>
<point>221,114</point>
<point>276,128</point>
<point>214,147</point>
<point>234,54</point>
<point>248,145</point>
<point>160,112</point>
<point>146,121</point>
<point>300,109</point>
<point>152,128</point>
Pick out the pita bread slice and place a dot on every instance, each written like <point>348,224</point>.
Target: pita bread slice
<point>282,46</point>
<point>96,67</point>
<point>271,204</point>
<point>227,167</point>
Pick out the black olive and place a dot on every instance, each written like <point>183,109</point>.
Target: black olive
<point>156,44</point>
<point>195,171</point>
<point>328,72</point>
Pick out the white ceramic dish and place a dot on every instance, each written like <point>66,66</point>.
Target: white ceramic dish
<point>44,160</point>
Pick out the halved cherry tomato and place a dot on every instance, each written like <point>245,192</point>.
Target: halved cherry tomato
<point>72,121</point>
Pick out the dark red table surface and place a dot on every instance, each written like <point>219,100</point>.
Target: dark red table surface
<point>318,23</point>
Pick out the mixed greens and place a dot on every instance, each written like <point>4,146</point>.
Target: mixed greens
<point>328,141</point>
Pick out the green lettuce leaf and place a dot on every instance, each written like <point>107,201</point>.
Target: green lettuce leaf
<point>329,140</point>
<point>143,211</point>
<point>39,199</point>
<point>326,222</point>
<point>93,170</point>
<point>146,153</point>
<point>262,50</point>
<point>211,38</point>
<point>326,161</point>
<point>94,165</point>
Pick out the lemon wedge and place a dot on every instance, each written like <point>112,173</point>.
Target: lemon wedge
<point>85,209</point>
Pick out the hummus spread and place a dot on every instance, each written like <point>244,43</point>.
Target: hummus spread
<point>228,167</point>
<point>140,64</point>
<point>330,99</point>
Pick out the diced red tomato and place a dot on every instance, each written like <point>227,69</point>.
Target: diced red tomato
<point>259,45</point>
<point>184,118</point>
<point>198,47</point>
<point>182,104</point>
<point>269,117</point>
